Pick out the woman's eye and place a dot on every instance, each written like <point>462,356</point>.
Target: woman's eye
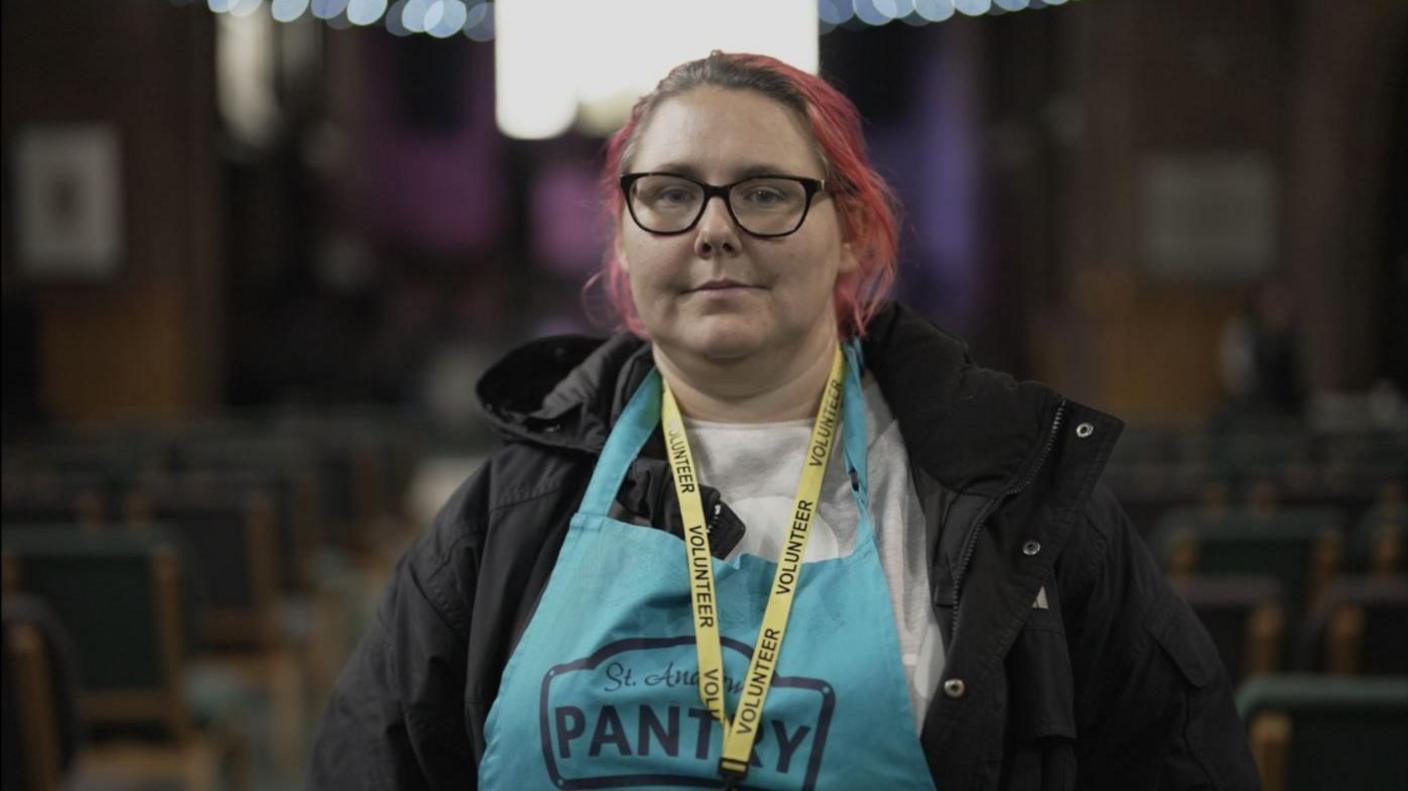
<point>671,196</point>
<point>765,197</point>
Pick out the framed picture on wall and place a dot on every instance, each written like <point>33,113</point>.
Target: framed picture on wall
<point>1210,216</point>
<point>68,201</point>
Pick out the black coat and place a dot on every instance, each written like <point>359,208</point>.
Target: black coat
<point>1113,685</point>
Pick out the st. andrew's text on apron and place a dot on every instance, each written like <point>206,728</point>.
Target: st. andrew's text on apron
<point>645,705</point>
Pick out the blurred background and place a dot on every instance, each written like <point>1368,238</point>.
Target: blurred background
<point>256,254</point>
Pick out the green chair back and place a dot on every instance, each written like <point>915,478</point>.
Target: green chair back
<point>1298,548</point>
<point>1359,627</point>
<point>235,554</point>
<point>117,593</point>
<point>1377,546</point>
<point>1244,617</point>
<point>1311,733</point>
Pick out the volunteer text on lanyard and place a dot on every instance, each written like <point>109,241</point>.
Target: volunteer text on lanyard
<point>741,733</point>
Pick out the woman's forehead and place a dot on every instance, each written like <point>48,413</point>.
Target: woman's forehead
<point>712,132</point>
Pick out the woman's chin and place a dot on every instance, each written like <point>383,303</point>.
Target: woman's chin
<point>723,338</point>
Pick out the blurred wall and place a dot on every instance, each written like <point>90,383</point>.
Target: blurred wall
<point>1307,88</point>
<point>146,342</point>
<point>1342,140</point>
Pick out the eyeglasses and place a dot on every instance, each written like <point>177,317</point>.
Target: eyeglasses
<point>764,206</point>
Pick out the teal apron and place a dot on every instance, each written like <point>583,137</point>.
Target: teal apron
<point>602,689</point>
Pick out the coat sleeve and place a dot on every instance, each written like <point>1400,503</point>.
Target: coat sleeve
<point>1154,704</point>
<point>395,719</point>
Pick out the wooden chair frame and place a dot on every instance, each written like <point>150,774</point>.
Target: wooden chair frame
<point>233,626</point>
<point>34,698</point>
<point>1271,741</point>
<point>1265,627</point>
<point>162,703</point>
<point>1184,554</point>
<point>1344,646</point>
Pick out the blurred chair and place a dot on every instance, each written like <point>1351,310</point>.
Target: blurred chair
<point>53,498</point>
<point>41,733</point>
<point>1267,464</point>
<point>330,480</point>
<point>1149,491</point>
<point>1359,627</point>
<point>117,594</point>
<point>230,535</point>
<point>1377,544</point>
<point>1366,448</point>
<point>1310,733</point>
<point>1353,492</point>
<point>67,454</point>
<point>230,540</point>
<point>1299,548</point>
<point>292,502</point>
<point>367,461</point>
<point>1244,616</point>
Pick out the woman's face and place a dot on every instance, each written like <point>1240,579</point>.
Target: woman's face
<point>715,291</point>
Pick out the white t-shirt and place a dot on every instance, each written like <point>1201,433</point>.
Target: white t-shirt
<point>755,467</point>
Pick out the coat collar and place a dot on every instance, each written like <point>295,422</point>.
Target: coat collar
<point>971,428</point>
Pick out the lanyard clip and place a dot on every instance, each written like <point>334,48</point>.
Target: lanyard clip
<point>733,772</point>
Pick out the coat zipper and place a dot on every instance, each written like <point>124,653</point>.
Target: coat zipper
<point>971,541</point>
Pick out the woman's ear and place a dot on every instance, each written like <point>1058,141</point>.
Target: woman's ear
<point>848,263</point>
<point>619,245</point>
<point>621,258</point>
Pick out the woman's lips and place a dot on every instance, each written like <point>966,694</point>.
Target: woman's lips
<point>721,285</point>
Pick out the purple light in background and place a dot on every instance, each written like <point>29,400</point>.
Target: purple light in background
<point>566,231</point>
<point>436,189</point>
<point>946,209</point>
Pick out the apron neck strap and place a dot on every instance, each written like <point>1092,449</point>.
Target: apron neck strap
<point>855,442</point>
<point>633,428</point>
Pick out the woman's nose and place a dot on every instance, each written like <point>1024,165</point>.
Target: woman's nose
<point>716,233</point>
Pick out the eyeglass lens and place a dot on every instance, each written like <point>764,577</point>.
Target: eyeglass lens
<point>670,204</point>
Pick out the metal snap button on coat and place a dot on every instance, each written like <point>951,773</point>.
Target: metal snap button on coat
<point>1031,548</point>
<point>1084,430</point>
<point>955,688</point>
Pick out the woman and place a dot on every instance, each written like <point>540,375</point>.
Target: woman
<point>637,590</point>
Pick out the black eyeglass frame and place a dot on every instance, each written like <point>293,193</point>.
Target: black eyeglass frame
<point>810,185</point>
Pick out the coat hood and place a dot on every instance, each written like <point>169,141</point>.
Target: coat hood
<point>971,428</point>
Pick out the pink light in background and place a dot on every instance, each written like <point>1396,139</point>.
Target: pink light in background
<point>432,188</point>
<point>565,217</point>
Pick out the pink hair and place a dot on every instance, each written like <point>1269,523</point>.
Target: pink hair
<point>865,204</point>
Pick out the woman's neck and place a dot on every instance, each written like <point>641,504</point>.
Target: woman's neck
<point>757,389</point>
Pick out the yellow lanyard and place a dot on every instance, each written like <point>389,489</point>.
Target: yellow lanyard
<point>742,732</point>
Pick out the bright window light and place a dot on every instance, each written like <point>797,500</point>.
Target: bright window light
<point>560,61</point>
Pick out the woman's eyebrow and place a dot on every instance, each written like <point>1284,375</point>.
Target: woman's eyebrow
<point>744,172</point>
